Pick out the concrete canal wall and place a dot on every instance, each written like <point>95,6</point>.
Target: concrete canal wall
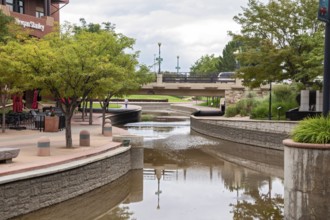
<point>267,134</point>
<point>33,190</point>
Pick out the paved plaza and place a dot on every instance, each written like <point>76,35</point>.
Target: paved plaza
<point>27,140</point>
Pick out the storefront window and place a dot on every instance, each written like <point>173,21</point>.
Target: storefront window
<point>40,12</point>
<point>16,5</point>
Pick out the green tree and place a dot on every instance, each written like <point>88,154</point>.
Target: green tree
<point>207,65</point>
<point>131,77</point>
<point>12,77</point>
<point>227,62</point>
<point>71,66</point>
<point>4,26</point>
<point>279,40</point>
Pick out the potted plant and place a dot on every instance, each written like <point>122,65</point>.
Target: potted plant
<point>312,132</point>
<point>306,170</point>
<point>51,122</point>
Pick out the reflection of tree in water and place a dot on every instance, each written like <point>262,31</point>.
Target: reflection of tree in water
<point>253,204</point>
<point>262,207</point>
<point>118,213</point>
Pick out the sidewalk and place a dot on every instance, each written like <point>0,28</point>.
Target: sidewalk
<point>26,141</point>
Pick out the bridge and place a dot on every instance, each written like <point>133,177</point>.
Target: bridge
<point>232,89</point>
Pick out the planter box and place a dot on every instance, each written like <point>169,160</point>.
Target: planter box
<point>51,123</point>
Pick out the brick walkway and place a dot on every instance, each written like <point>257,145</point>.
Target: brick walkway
<point>26,141</point>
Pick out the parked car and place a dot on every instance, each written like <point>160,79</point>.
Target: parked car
<point>226,77</point>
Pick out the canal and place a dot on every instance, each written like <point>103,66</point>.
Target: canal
<point>185,176</point>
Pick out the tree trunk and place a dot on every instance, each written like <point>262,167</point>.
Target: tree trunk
<point>84,104</point>
<point>90,112</point>
<point>3,117</point>
<point>3,102</point>
<point>103,117</point>
<point>68,134</point>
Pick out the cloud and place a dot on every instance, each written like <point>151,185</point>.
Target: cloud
<point>189,29</point>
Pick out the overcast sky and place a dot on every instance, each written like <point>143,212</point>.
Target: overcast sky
<point>185,28</point>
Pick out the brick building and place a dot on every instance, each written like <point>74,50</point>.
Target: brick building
<point>39,16</point>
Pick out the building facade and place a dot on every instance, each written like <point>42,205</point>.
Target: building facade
<point>37,16</point>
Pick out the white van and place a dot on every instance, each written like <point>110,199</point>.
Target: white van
<point>226,77</point>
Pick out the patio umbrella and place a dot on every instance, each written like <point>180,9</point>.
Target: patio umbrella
<point>17,103</point>
<point>35,100</point>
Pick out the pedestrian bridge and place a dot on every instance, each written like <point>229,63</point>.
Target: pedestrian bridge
<point>198,86</point>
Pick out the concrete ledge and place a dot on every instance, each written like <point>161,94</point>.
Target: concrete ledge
<point>266,134</point>
<point>135,140</point>
<point>291,143</point>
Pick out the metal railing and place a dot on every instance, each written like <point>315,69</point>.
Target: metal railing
<point>196,79</point>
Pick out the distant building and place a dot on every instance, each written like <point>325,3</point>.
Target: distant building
<point>39,16</point>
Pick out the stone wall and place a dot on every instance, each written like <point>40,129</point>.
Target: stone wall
<point>267,134</point>
<point>24,195</point>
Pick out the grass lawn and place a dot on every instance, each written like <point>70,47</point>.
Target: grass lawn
<point>158,97</point>
<point>150,97</point>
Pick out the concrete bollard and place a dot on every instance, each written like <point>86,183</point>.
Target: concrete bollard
<point>107,131</point>
<point>107,121</point>
<point>43,146</point>
<point>84,138</point>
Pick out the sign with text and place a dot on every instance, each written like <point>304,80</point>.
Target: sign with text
<point>323,13</point>
<point>30,24</point>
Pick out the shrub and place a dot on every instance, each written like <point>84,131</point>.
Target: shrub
<point>261,111</point>
<point>314,130</point>
<point>231,111</point>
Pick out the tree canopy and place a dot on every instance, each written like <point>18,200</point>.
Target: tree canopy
<point>279,40</point>
<point>73,65</point>
<point>207,65</point>
<point>12,78</point>
<point>227,62</point>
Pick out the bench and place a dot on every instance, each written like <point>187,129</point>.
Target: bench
<point>7,154</point>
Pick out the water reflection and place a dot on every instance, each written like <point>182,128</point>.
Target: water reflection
<point>188,176</point>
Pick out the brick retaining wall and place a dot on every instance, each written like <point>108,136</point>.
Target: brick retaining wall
<point>26,195</point>
<point>267,134</point>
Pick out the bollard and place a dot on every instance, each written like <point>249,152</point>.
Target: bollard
<point>84,138</point>
<point>107,131</point>
<point>43,146</point>
<point>107,121</point>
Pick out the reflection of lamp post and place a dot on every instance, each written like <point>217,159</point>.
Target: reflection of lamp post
<point>177,65</point>
<point>158,192</point>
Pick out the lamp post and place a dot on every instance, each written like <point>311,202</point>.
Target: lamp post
<point>326,74</point>
<point>159,58</point>
<point>323,15</point>
<point>177,65</point>
<point>270,101</point>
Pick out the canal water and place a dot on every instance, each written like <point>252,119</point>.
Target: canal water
<point>185,176</point>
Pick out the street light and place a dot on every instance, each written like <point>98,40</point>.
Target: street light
<point>177,65</point>
<point>159,59</point>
